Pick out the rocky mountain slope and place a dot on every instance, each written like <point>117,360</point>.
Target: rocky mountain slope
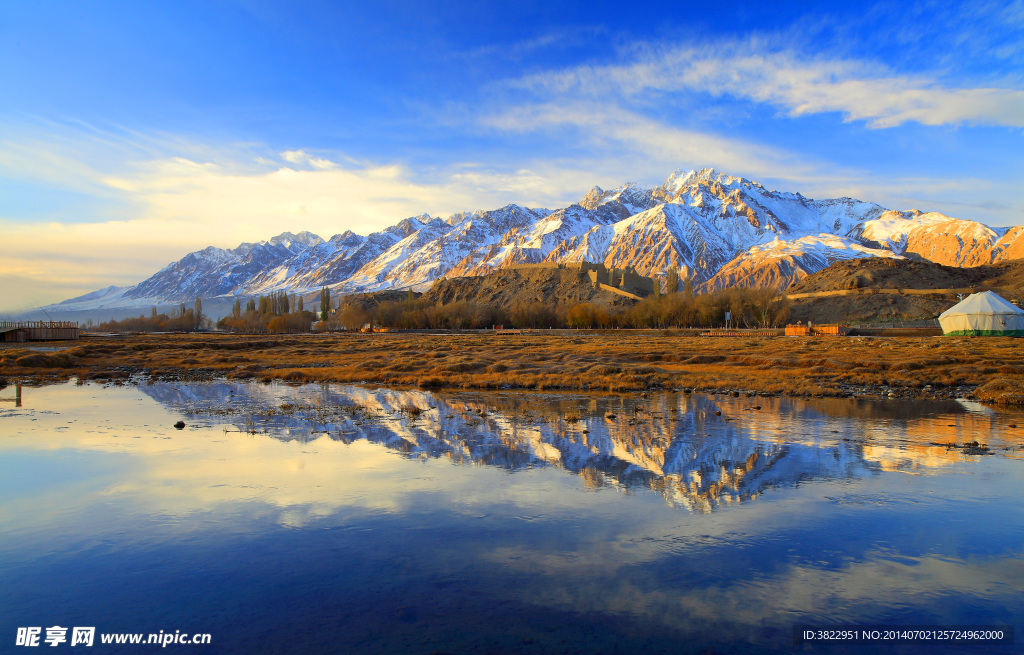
<point>717,229</point>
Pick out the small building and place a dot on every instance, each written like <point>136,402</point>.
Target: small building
<point>809,330</point>
<point>38,331</point>
<point>983,314</point>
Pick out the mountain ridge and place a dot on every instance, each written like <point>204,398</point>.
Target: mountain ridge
<point>715,228</point>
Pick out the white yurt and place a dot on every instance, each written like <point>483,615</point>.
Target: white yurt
<point>983,314</point>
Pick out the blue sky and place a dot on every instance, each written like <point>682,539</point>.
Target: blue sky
<point>134,132</point>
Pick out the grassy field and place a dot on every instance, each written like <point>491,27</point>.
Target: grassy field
<point>989,369</point>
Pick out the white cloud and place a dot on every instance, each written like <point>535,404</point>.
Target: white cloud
<point>157,197</point>
<point>653,143</point>
<point>165,207</point>
<point>235,205</point>
<point>616,115</point>
<point>302,158</point>
<point>798,84</point>
<point>178,204</point>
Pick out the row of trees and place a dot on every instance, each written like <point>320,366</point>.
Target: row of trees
<point>275,312</point>
<point>748,308</point>
<point>180,319</point>
<point>411,313</point>
<point>672,283</point>
<point>279,312</point>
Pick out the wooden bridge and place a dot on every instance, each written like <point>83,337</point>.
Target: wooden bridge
<point>38,330</point>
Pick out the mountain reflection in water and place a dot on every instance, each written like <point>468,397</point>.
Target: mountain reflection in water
<point>319,519</point>
<point>697,451</point>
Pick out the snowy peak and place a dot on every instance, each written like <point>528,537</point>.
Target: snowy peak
<point>632,197</point>
<point>103,295</point>
<point>681,180</point>
<point>593,197</point>
<point>718,229</point>
<point>510,217</point>
<point>296,242</point>
<point>348,237</point>
<point>458,217</point>
<point>412,224</point>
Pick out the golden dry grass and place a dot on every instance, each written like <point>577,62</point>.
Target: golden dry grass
<point>611,360</point>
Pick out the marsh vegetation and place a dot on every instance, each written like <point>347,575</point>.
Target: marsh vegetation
<point>990,369</point>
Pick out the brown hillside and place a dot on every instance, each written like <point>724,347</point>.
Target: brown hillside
<point>522,286</point>
<point>866,289</point>
<point>870,308</point>
<point>884,273</point>
<point>367,300</point>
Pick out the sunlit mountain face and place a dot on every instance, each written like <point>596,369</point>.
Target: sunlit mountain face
<point>712,227</point>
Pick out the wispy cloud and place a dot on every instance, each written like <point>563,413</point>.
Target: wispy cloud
<point>796,83</point>
<point>634,135</point>
<point>302,158</point>
<point>981,32</point>
<point>648,113</point>
<point>155,210</point>
<point>626,140</point>
<point>568,37</point>
<point>158,196</point>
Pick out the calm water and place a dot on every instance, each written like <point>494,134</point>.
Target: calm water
<point>315,519</point>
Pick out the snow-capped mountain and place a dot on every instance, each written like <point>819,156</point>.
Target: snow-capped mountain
<point>207,273</point>
<point>712,227</point>
<point>534,242</point>
<point>440,246</point>
<point>779,264</point>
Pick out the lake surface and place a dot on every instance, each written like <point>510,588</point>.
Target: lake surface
<point>321,519</point>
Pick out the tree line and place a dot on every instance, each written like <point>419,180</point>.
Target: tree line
<point>747,307</point>
<point>275,312</point>
<point>180,319</point>
<point>280,312</point>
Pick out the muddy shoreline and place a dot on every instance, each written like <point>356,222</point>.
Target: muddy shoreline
<point>985,369</point>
